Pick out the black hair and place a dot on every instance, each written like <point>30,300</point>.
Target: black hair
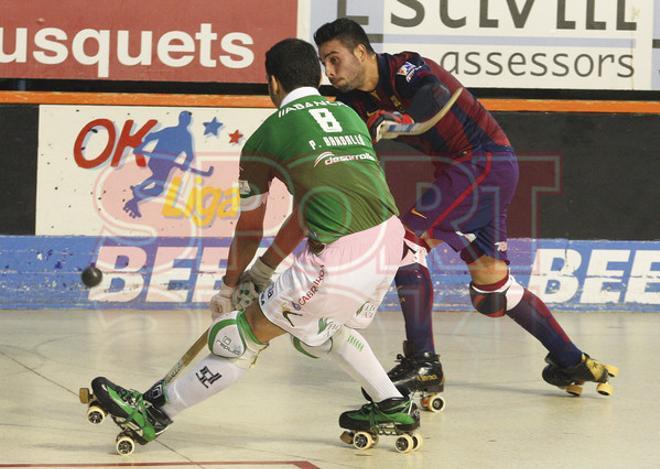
<point>294,63</point>
<point>347,31</point>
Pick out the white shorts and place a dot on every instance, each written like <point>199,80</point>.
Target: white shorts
<point>344,284</point>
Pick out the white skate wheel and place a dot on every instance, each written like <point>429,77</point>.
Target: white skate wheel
<point>95,414</point>
<point>435,403</point>
<point>404,444</point>
<point>418,440</point>
<point>363,440</point>
<point>125,445</point>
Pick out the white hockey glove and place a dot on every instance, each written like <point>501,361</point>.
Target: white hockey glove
<point>252,282</point>
<point>260,274</point>
<point>221,302</point>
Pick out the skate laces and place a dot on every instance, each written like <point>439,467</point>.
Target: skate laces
<point>402,367</point>
<point>376,415</point>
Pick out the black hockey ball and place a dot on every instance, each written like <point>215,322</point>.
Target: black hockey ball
<point>91,276</point>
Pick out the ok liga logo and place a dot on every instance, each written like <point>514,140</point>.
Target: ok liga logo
<point>160,177</point>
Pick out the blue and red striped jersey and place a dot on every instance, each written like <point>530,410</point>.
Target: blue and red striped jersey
<point>466,128</point>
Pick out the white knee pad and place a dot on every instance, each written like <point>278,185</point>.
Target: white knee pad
<point>496,303</point>
<point>514,293</point>
<point>325,348</point>
<point>415,254</point>
<point>231,336</point>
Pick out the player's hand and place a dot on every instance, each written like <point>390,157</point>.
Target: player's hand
<point>221,302</point>
<point>251,283</point>
<point>260,274</point>
<point>381,116</point>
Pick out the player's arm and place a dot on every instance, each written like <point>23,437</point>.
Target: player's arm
<point>414,80</point>
<point>244,245</point>
<point>255,175</point>
<point>428,100</point>
<point>290,234</point>
<point>258,277</point>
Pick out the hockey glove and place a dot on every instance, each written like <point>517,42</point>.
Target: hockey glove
<point>381,116</point>
<point>252,282</point>
<point>221,302</point>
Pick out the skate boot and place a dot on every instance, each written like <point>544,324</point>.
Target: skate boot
<point>420,375</point>
<point>572,379</point>
<point>140,419</point>
<point>397,416</point>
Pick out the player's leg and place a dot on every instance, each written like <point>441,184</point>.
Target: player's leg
<point>415,290</point>
<point>342,285</point>
<point>419,367</point>
<point>494,293</point>
<point>358,271</point>
<point>234,348</point>
<point>352,353</point>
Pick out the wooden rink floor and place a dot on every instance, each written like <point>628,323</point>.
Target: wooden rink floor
<point>283,414</point>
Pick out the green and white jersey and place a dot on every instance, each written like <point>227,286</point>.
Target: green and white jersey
<point>321,150</point>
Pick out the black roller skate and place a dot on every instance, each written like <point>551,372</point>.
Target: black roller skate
<point>420,376</point>
<point>397,416</point>
<point>572,379</point>
<point>140,419</point>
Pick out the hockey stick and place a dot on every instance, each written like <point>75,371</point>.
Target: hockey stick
<point>187,357</point>
<point>208,172</point>
<point>389,130</point>
<point>200,172</point>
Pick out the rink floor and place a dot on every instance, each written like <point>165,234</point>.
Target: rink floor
<point>499,412</point>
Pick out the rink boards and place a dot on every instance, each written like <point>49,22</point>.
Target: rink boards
<point>175,273</point>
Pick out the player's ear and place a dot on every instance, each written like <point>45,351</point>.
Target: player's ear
<point>274,89</point>
<point>360,52</point>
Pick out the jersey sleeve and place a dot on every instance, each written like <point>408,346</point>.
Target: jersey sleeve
<point>255,174</point>
<point>415,80</point>
<point>411,73</point>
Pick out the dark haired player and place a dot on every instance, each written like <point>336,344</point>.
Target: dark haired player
<point>476,174</point>
<point>322,151</point>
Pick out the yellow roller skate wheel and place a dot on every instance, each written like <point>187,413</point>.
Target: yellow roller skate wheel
<point>605,389</point>
<point>85,395</point>
<point>612,370</point>
<point>574,389</point>
<point>347,437</point>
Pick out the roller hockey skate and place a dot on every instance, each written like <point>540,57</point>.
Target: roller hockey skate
<point>395,417</point>
<point>420,376</point>
<point>572,379</point>
<point>140,419</point>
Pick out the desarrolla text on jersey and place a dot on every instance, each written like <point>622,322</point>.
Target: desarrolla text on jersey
<point>321,150</point>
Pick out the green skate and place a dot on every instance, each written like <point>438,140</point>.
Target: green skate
<point>141,420</point>
<point>397,416</point>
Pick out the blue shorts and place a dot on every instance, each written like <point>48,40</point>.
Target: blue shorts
<point>466,206</point>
